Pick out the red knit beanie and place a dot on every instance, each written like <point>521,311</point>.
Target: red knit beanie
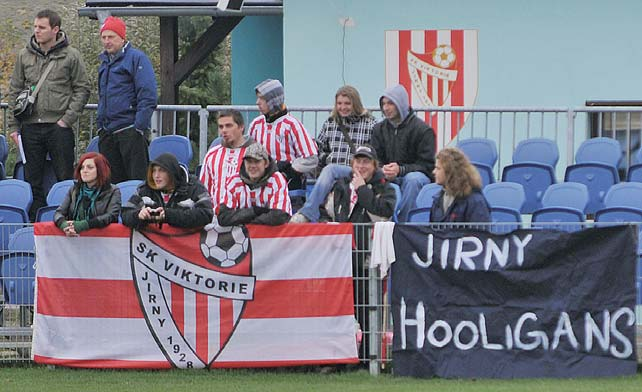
<point>116,25</point>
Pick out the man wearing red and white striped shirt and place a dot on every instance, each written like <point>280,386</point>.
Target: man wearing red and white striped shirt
<point>283,136</point>
<point>257,194</point>
<point>223,160</point>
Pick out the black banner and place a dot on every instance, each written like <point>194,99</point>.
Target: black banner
<point>531,303</point>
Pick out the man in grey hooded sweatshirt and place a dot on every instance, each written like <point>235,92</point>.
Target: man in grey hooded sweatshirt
<point>405,146</point>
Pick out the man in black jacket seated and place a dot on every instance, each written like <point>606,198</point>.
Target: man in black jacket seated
<point>169,196</point>
<point>405,146</point>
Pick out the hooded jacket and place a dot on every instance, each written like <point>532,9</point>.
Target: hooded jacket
<point>411,143</point>
<point>258,215</point>
<point>375,199</point>
<point>189,205</point>
<point>106,209</point>
<point>472,208</point>
<point>126,90</point>
<point>63,93</point>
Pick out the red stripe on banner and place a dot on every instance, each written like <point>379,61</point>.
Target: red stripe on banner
<point>305,230</point>
<point>113,230</point>
<point>404,48</point>
<point>457,91</point>
<point>102,363</point>
<point>178,306</point>
<point>430,43</point>
<point>226,320</point>
<point>302,298</point>
<point>272,299</point>
<point>202,341</point>
<point>265,364</point>
<point>88,298</point>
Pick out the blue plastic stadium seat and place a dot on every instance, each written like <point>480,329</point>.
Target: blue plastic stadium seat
<point>482,153</point>
<point>533,167</point>
<point>506,200</point>
<point>55,197</point>
<point>178,145</point>
<point>622,203</point>
<point>635,171</point>
<point>93,145</point>
<point>18,277</point>
<point>127,189</point>
<point>596,166</point>
<point>421,214</point>
<point>562,203</point>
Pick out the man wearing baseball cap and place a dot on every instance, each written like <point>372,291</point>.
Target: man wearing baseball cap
<point>363,197</point>
<point>257,194</point>
<point>126,100</point>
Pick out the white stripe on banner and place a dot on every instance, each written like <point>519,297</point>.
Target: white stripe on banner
<point>303,344</point>
<point>95,338</point>
<point>72,257</point>
<point>270,263</point>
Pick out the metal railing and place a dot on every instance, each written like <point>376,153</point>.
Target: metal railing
<point>506,125</point>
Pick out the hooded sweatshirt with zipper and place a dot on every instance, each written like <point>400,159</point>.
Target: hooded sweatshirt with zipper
<point>189,206</point>
<point>408,141</point>
<point>63,93</point>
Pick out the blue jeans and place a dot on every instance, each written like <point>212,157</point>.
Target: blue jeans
<point>323,186</point>
<point>410,185</point>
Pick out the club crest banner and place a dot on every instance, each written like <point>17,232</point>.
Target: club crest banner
<point>217,298</point>
<point>437,68</point>
<point>531,303</point>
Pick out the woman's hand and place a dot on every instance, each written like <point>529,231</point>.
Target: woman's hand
<point>69,230</point>
<point>145,214</point>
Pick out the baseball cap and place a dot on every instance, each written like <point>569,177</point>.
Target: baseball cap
<point>256,151</point>
<point>366,151</point>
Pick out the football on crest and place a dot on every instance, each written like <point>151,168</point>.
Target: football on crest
<point>224,246</point>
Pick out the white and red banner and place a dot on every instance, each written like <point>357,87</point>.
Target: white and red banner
<point>220,298</point>
<point>437,68</point>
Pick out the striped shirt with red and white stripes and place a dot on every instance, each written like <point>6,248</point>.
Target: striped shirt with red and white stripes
<point>273,195</point>
<point>219,165</point>
<point>285,139</point>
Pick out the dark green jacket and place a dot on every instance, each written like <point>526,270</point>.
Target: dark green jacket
<point>65,91</point>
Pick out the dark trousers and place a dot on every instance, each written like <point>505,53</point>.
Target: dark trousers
<point>37,141</point>
<point>127,154</point>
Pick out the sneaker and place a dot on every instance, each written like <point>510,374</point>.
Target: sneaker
<point>299,218</point>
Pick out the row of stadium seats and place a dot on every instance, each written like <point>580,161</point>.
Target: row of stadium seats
<point>534,161</point>
<point>178,145</point>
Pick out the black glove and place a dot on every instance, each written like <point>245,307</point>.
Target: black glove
<point>284,167</point>
<point>260,210</point>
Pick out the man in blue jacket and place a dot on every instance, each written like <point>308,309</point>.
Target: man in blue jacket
<point>126,100</point>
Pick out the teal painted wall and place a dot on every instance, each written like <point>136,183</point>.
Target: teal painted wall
<point>257,54</point>
<point>531,53</point>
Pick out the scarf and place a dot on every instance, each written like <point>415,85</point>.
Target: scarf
<point>86,202</point>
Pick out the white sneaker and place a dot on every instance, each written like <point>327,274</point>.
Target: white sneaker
<point>299,218</point>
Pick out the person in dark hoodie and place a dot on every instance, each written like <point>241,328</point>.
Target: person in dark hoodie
<point>93,202</point>
<point>169,196</point>
<point>405,146</point>
<point>257,194</point>
<point>60,100</point>
<point>461,199</point>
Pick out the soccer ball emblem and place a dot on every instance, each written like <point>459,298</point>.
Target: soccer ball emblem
<point>443,56</point>
<point>224,246</point>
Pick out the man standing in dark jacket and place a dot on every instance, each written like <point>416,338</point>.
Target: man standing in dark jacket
<point>405,146</point>
<point>60,100</point>
<point>126,100</point>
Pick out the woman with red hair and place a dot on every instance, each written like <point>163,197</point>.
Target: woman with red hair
<point>93,202</point>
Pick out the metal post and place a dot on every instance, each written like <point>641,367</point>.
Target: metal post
<point>203,115</point>
<point>375,312</point>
